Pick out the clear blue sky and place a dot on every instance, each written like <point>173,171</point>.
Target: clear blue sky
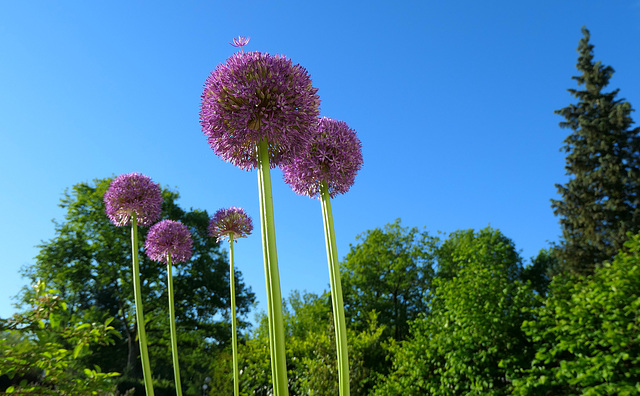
<point>453,102</point>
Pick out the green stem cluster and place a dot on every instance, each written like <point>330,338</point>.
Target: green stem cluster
<point>172,326</point>
<point>336,292</point>
<point>234,332</point>
<point>142,336</point>
<point>272,276</point>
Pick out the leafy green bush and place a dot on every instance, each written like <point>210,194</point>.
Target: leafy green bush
<point>41,350</point>
<point>588,333</point>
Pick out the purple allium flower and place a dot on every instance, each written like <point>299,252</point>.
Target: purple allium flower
<point>256,97</point>
<point>169,237</point>
<point>133,192</point>
<point>240,41</point>
<point>333,155</point>
<point>230,221</point>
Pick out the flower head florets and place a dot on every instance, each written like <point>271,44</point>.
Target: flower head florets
<point>230,221</point>
<point>240,41</point>
<point>169,237</point>
<point>333,155</point>
<point>133,192</point>
<point>256,97</point>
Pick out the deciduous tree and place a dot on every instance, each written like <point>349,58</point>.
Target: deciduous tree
<point>389,271</point>
<point>470,343</point>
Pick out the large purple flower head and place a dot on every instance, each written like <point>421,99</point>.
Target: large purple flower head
<point>230,221</point>
<point>169,237</point>
<point>333,155</point>
<point>256,97</point>
<point>133,192</point>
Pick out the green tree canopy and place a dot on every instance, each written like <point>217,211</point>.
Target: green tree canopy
<point>601,201</point>
<point>487,247</point>
<point>89,262</point>
<point>390,271</point>
<point>470,343</point>
<point>587,333</point>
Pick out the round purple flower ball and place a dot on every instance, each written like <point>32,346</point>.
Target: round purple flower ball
<point>169,237</point>
<point>255,97</point>
<point>333,155</point>
<point>230,221</point>
<point>133,192</point>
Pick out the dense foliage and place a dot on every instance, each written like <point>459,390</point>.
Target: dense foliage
<point>485,329</point>
<point>311,352</point>
<point>601,201</point>
<point>470,342</point>
<point>41,350</point>
<point>587,335</point>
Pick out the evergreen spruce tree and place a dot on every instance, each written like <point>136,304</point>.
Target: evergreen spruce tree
<point>600,203</point>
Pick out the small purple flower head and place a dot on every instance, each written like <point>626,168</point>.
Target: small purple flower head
<point>133,192</point>
<point>169,237</point>
<point>240,41</point>
<point>230,221</point>
<point>333,155</point>
<point>255,97</point>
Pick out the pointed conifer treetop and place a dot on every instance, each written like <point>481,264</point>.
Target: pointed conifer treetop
<point>600,203</point>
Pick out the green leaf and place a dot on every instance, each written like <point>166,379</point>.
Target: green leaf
<point>78,349</point>
<point>54,319</point>
<point>83,326</point>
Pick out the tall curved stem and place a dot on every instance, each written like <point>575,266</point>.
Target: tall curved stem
<point>336,292</point>
<point>172,327</point>
<point>137,295</point>
<point>272,276</point>
<point>234,331</point>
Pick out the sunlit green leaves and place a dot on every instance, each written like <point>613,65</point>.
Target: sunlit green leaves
<point>470,342</point>
<point>588,333</point>
<point>389,271</point>
<point>37,359</point>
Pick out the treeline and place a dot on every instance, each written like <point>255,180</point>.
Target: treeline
<point>485,324</point>
<point>426,315</point>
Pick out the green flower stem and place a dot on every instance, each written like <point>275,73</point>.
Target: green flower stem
<point>172,327</point>
<point>336,292</point>
<point>234,335</point>
<point>142,336</point>
<point>272,276</point>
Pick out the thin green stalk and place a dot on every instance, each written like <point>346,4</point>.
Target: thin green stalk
<point>172,327</point>
<point>234,335</point>
<point>266,276</point>
<point>272,276</point>
<point>336,292</point>
<point>137,295</point>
